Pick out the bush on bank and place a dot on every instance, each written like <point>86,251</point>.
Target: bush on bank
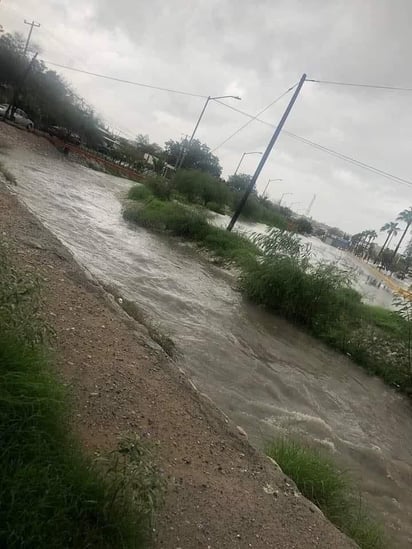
<point>191,223</point>
<point>51,494</point>
<point>319,297</point>
<point>321,481</point>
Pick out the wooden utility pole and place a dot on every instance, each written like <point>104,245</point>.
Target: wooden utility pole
<point>32,24</point>
<point>266,154</point>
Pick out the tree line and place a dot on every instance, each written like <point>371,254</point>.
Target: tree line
<point>45,96</point>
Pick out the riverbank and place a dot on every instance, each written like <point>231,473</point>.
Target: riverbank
<point>277,272</point>
<point>122,382</point>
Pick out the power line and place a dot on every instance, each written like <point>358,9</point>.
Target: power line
<point>357,85</point>
<point>106,77</point>
<point>322,148</point>
<point>349,159</point>
<point>252,119</point>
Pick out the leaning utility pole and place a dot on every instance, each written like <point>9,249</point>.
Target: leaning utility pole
<point>310,206</point>
<point>32,24</point>
<point>266,154</point>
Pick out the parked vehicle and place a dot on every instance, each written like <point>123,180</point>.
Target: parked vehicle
<point>19,117</point>
<point>64,134</point>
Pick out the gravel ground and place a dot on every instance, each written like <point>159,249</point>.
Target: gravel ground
<point>221,493</point>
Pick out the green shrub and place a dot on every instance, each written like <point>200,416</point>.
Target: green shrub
<point>260,210</point>
<point>159,186</point>
<point>200,187</point>
<point>51,495</point>
<point>215,207</point>
<point>286,281</point>
<point>139,192</point>
<point>318,296</point>
<point>229,245</point>
<point>190,223</point>
<point>178,219</point>
<point>321,481</point>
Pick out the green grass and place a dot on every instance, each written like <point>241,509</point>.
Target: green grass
<point>389,321</point>
<point>139,192</point>
<point>321,481</point>
<point>190,223</point>
<point>51,493</point>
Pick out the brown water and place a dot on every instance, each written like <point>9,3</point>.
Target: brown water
<point>262,372</point>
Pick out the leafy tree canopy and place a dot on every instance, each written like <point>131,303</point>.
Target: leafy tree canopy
<point>197,157</point>
<point>47,98</point>
<point>239,182</point>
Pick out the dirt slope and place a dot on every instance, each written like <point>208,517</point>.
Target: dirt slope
<point>121,382</point>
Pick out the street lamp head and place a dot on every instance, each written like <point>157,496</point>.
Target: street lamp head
<point>227,97</point>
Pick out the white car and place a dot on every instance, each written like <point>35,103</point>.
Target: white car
<point>20,117</point>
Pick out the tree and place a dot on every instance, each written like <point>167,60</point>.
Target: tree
<point>239,182</point>
<point>408,250</point>
<point>303,226</point>
<point>392,228</point>
<point>46,97</point>
<point>143,145</point>
<point>406,217</point>
<point>197,156</point>
<point>201,187</point>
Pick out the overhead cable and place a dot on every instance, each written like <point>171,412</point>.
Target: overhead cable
<point>322,148</point>
<point>252,119</point>
<point>106,77</point>
<point>359,85</point>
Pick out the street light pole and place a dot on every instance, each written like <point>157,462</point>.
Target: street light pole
<point>209,98</point>
<point>266,154</point>
<point>281,198</point>
<point>242,157</point>
<point>267,185</point>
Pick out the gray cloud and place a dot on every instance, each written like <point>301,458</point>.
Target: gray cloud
<point>258,50</point>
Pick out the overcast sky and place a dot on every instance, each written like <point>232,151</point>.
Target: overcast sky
<point>256,50</point>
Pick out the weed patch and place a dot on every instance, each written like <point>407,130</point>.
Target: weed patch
<point>51,494</point>
<point>320,480</point>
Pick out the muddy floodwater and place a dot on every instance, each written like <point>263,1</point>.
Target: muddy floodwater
<point>266,375</point>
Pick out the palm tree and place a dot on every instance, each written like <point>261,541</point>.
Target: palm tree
<point>406,217</point>
<point>392,228</point>
<point>372,235</point>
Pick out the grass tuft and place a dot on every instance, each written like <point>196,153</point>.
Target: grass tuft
<point>320,480</point>
<point>51,494</point>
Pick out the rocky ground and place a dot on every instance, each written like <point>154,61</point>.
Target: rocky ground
<point>221,493</point>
